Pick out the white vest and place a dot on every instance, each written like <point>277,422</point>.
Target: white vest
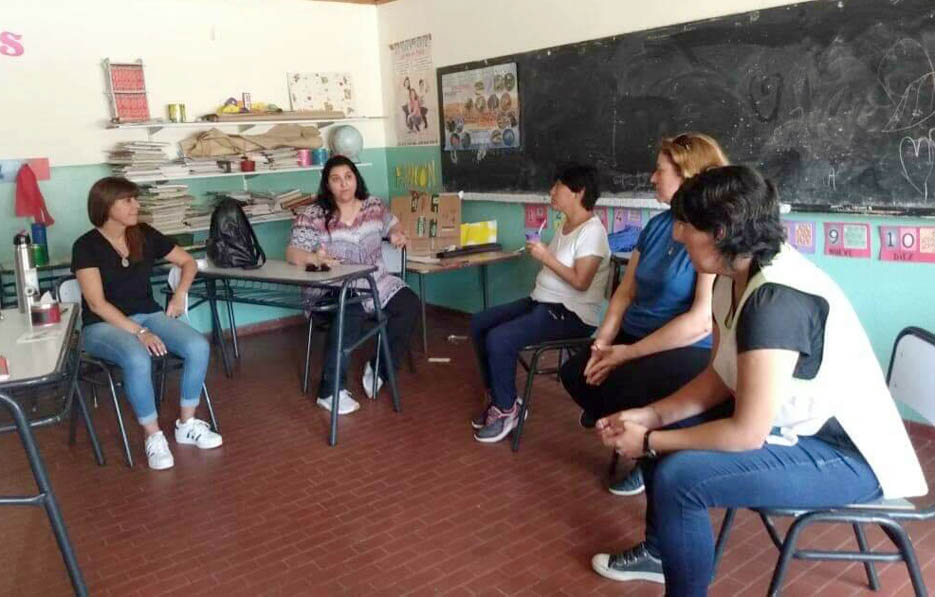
<point>849,384</point>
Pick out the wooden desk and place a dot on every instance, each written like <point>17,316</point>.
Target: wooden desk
<point>34,364</point>
<point>481,260</point>
<point>341,277</point>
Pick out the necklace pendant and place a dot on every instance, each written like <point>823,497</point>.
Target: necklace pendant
<point>124,262</point>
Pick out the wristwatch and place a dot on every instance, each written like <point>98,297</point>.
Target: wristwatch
<point>647,451</point>
<point>141,331</point>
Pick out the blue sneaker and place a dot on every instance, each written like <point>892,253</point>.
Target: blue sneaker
<point>632,484</point>
<point>635,563</point>
<point>498,425</point>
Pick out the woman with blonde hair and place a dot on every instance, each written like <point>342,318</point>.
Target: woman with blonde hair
<point>656,334</point>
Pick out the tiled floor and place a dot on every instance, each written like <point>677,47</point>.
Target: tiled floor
<point>406,503</point>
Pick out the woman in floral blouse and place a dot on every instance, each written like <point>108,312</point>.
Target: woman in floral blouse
<point>347,225</point>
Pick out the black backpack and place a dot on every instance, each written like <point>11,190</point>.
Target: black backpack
<point>231,240</point>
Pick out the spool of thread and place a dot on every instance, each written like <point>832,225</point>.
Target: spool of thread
<point>304,157</point>
<point>45,314</point>
<point>40,246</point>
<point>320,156</point>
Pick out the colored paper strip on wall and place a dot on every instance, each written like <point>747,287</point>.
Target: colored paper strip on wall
<point>915,244</point>
<point>847,239</point>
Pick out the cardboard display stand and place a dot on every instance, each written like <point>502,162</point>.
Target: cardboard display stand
<point>432,222</point>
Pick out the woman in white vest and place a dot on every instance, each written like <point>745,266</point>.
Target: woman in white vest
<point>792,411</point>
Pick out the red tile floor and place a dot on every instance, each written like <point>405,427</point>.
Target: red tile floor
<point>405,504</point>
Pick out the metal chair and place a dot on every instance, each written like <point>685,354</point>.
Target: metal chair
<point>68,290</point>
<point>911,379</point>
<point>531,364</point>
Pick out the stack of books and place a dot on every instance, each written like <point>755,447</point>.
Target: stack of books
<point>163,206</point>
<point>203,166</point>
<point>275,159</point>
<point>138,159</point>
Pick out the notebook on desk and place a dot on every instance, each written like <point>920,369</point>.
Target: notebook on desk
<point>469,250</point>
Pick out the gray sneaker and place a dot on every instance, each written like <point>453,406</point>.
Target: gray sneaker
<point>635,563</point>
<point>480,419</point>
<point>632,484</point>
<point>498,425</point>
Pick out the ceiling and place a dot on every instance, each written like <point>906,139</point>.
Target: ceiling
<point>358,1</point>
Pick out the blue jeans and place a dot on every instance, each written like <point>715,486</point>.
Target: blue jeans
<point>499,333</point>
<point>108,342</point>
<point>682,486</point>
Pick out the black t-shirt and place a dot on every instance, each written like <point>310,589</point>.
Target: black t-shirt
<point>780,317</point>
<point>126,288</point>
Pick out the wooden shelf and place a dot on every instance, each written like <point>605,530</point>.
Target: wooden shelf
<point>142,179</point>
<point>155,126</point>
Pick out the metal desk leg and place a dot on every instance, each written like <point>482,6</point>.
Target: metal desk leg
<point>483,283</point>
<point>46,497</point>
<point>338,349</point>
<point>425,336</point>
<point>216,324</point>
<point>89,425</point>
<point>308,352</point>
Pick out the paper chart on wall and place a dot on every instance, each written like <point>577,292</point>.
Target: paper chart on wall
<point>481,108</point>
<point>624,217</point>
<point>845,239</point>
<point>800,235</point>
<point>322,91</point>
<point>907,243</point>
<point>415,111</point>
<point>602,214</point>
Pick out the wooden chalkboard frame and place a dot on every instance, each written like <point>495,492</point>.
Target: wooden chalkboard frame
<point>823,96</point>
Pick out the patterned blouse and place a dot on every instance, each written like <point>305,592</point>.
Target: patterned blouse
<point>357,243</point>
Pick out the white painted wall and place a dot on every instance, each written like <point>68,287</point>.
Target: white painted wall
<point>478,29</point>
<point>52,100</point>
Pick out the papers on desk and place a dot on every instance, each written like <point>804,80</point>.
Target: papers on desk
<point>41,335</point>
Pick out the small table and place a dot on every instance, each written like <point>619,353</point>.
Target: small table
<point>481,260</point>
<point>32,365</point>
<point>340,278</point>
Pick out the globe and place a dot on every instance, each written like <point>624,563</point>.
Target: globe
<point>347,141</point>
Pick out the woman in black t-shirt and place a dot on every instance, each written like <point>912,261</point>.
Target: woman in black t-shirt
<point>123,324</point>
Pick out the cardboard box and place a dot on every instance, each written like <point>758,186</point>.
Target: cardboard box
<point>432,222</point>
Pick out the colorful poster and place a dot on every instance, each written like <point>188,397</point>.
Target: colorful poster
<point>480,108</point>
<point>844,239</point>
<point>907,243</point>
<point>601,213</point>
<point>10,168</point>
<point>624,217</point>
<point>415,111</point>
<point>322,91</point>
<point>800,235</point>
<point>536,214</point>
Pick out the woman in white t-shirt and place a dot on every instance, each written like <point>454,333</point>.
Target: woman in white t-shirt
<point>565,303</point>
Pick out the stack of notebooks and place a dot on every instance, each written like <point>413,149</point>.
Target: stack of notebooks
<point>138,159</point>
<point>275,159</point>
<point>163,206</point>
<point>202,166</point>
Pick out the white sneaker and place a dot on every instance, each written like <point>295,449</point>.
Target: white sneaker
<point>346,404</point>
<point>157,452</point>
<point>197,432</point>
<point>368,382</point>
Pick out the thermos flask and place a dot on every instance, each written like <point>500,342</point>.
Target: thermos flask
<point>27,278</point>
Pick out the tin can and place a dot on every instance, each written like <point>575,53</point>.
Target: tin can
<point>320,156</point>
<point>176,112</point>
<point>304,157</point>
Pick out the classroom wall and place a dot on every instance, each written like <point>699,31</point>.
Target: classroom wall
<point>887,296</point>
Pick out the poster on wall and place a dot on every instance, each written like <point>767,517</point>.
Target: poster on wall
<point>333,92</point>
<point>602,215</point>
<point>415,109</point>
<point>800,235</point>
<point>624,217</point>
<point>845,239</point>
<point>480,108</point>
<point>914,244</point>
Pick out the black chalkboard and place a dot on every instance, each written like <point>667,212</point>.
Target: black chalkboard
<point>834,100</point>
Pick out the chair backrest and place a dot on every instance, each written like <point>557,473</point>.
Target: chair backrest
<point>69,291</point>
<point>394,259</point>
<point>911,375</point>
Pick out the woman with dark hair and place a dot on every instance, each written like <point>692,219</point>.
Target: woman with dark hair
<point>793,410</point>
<point>123,324</point>
<point>656,334</point>
<point>565,302</point>
<point>347,225</point>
